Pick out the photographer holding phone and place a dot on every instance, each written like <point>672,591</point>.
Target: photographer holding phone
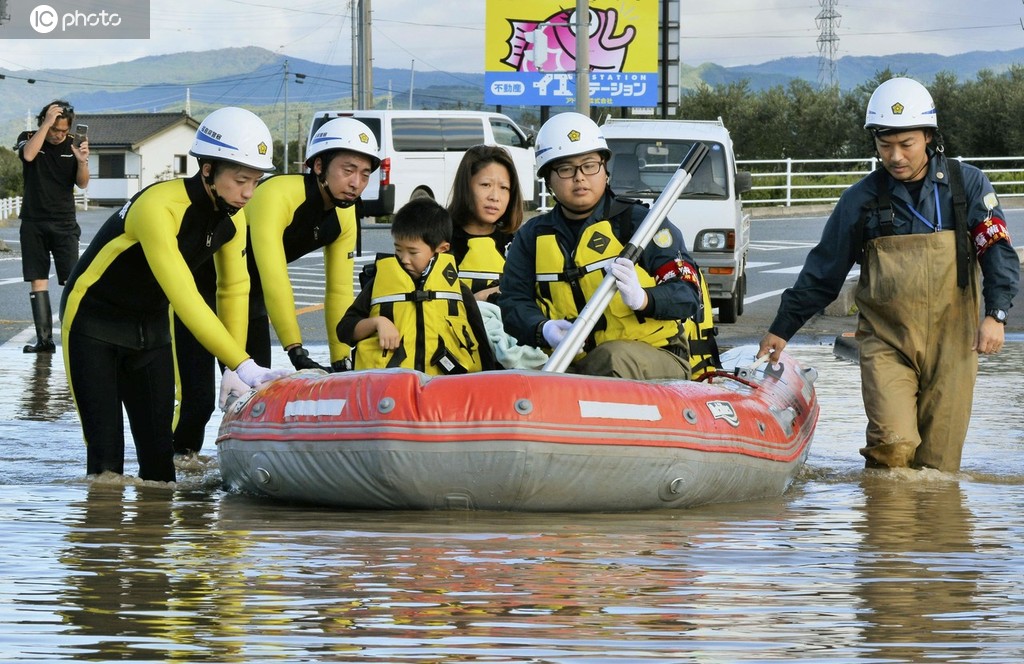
<point>52,164</point>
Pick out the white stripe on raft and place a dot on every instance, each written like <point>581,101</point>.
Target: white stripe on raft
<point>315,408</point>
<point>619,411</point>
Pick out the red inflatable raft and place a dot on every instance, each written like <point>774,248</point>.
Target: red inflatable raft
<point>519,440</point>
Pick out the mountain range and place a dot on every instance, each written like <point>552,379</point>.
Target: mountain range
<point>264,81</point>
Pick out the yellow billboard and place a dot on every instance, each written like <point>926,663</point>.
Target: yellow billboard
<point>530,53</point>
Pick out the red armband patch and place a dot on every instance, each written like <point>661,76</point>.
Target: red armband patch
<point>989,232</point>
<point>677,269</point>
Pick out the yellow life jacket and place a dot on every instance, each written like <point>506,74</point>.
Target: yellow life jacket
<point>482,265</point>
<point>436,337</point>
<point>701,336</point>
<point>563,290</point>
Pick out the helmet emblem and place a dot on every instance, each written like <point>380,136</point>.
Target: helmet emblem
<point>363,138</point>
<point>262,148</point>
<point>574,135</point>
<point>897,108</point>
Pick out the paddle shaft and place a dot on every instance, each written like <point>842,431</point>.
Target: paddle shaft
<point>594,309</point>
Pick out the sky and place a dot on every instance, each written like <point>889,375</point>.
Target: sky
<point>424,35</point>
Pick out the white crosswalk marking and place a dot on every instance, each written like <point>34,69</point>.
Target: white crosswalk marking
<point>781,245</point>
<point>307,277</point>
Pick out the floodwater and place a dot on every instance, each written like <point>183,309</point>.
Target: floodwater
<point>848,566</point>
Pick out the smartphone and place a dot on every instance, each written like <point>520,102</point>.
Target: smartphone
<point>81,133</point>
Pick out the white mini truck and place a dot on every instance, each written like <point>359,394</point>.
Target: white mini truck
<point>709,212</point>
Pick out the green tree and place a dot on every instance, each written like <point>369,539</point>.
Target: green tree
<point>11,183</point>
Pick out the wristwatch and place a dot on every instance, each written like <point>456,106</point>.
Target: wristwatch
<point>998,314</point>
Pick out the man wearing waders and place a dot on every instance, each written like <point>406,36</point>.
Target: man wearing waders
<point>920,229</point>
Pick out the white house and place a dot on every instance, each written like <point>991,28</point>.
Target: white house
<point>130,151</point>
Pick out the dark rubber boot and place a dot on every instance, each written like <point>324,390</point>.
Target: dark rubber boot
<point>43,316</point>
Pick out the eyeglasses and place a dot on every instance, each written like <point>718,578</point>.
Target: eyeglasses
<point>568,171</point>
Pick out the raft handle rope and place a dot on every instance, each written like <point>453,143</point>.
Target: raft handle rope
<point>748,374</point>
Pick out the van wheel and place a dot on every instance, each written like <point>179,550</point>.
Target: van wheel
<point>420,193</point>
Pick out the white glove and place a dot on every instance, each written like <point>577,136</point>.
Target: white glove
<point>231,388</point>
<point>254,375</point>
<point>554,331</point>
<point>628,284</point>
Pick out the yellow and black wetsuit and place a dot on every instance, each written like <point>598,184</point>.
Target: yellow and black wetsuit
<point>437,317</point>
<point>116,320</point>
<point>287,220</point>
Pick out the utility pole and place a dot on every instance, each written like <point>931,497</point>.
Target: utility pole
<point>365,56</point>
<point>299,78</point>
<point>412,79</point>
<point>354,22</point>
<point>583,57</point>
<point>286,117</point>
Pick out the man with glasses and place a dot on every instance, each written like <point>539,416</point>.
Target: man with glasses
<point>51,166</point>
<point>558,259</point>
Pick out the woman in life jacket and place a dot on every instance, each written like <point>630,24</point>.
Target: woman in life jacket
<point>486,208</point>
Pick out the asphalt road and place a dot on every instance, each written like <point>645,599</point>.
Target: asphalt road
<point>780,241</point>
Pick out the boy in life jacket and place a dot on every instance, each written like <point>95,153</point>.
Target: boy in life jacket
<point>558,259</point>
<point>414,312</point>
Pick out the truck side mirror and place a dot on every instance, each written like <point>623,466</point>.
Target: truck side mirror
<point>744,182</point>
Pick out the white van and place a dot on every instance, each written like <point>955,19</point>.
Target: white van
<point>709,212</point>
<point>421,150</point>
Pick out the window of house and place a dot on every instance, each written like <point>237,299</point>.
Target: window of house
<point>180,164</point>
<point>111,166</point>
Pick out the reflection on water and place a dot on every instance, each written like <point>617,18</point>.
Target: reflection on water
<point>847,566</point>
<point>46,395</point>
<point>918,565</point>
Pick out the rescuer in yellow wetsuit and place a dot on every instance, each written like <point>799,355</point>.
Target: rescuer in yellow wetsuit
<point>416,313</point>
<point>288,217</point>
<point>114,310</point>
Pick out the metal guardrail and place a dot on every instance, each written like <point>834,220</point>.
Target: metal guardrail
<point>10,207</point>
<point>807,181</point>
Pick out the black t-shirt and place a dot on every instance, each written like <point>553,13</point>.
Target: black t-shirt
<point>49,181</point>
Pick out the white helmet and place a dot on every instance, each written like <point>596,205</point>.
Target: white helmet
<point>898,104</point>
<point>235,135</point>
<point>568,135</point>
<point>343,134</point>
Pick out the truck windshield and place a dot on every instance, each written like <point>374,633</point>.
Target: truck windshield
<point>642,168</point>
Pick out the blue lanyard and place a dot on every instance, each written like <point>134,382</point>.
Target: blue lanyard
<point>938,213</point>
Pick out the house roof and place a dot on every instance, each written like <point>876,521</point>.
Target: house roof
<point>128,130</point>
